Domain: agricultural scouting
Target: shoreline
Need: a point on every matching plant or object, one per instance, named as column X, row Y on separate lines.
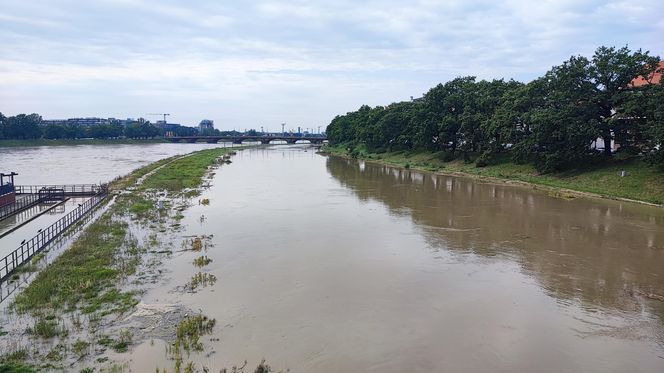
column 554, row 191
column 54, row 312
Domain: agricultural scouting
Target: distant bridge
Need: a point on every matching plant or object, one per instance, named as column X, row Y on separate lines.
column 241, row 139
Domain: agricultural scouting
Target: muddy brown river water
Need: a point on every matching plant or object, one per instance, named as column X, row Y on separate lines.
column 328, row 265
column 331, row 265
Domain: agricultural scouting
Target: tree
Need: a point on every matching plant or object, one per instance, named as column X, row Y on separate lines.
column 640, row 114
column 565, row 125
column 54, row 131
column 3, row 122
column 610, row 73
column 23, row 127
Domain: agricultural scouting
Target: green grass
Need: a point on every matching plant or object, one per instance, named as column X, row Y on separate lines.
column 14, row 362
column 80, row 348
column 84, row 276
column 131, row 179
column 64, row 142
column 202, row 261
column 201, row 279
column 643, row 182
column 118, row 345
column 184, row 173
column 187, row 338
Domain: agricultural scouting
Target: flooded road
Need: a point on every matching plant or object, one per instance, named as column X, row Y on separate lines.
column 325, row 264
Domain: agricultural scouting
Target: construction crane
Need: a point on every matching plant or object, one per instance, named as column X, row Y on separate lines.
column 164, row 114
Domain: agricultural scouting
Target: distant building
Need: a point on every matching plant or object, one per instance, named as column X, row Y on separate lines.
column 206, row 124
column 654, row 78
column 167, row 126
column 86, row 122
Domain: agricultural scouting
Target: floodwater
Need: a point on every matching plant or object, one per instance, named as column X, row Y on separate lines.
column 329, row 265
column 85, row 164
column 79, row 164
column 326, row 264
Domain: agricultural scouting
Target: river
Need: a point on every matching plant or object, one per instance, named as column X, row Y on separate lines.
column 326, row 264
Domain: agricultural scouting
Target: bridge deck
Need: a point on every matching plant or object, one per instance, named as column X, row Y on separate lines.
column 240, row 139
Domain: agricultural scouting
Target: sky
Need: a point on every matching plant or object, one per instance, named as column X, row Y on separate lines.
column 247, row 64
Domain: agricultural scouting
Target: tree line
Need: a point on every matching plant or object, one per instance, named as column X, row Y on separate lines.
column 30, row 126
column 552, row 122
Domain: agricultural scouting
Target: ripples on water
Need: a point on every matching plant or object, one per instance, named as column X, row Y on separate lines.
column 327, row 264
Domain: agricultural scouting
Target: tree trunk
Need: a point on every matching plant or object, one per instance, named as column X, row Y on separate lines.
column 607, row 145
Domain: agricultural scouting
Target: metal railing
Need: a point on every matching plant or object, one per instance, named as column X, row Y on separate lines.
column 75, row 189
column 21, row 204
column 32, row 246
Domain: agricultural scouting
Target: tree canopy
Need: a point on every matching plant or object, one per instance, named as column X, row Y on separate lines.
column 553, row 121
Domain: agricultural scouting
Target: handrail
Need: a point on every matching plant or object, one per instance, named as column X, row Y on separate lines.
column 20, row 205
column 32, row 246
column 68, row 189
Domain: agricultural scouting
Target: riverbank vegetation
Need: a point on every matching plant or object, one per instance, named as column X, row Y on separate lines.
column 555, row 124
column 75, row 298
column 642, row 181
column 31, row 128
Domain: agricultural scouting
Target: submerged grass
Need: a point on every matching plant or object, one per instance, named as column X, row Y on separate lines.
column 202, row 261
column 201, row 279
column 14, row 362
column 84, row 279
column 187, row 338
column 83, row 272
column 643, row 181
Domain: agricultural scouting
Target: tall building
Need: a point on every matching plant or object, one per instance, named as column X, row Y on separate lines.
column 206, row 124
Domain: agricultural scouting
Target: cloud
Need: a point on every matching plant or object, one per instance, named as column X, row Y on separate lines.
column 300, row 61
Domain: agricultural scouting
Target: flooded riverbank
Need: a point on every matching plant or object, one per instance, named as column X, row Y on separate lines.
column 86, row 164
column 327, row 264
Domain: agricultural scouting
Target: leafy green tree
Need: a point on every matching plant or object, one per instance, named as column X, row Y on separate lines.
column 54, row 131
column 3, row 122
column 610, row 73
column 393, row 126
column 24, row 127
column 640, row 115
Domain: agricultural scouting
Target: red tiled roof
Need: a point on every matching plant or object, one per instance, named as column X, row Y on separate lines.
column 655, row 78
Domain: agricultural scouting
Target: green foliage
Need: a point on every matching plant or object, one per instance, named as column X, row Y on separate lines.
column 81, row 274
column 644, row 182
column 551, row 122
column 185, row 172
column 80, row 348
column 189, row 331
column 202, row 261
column 29, row 127
column 14, row 362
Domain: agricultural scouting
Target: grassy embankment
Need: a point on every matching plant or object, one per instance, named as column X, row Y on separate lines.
column 47, row 142
column 643, row 182
column 83, row 282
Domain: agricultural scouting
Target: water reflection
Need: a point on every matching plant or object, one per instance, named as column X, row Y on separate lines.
column 604, row 254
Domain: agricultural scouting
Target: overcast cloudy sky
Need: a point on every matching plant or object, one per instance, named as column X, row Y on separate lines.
column 250, row 64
